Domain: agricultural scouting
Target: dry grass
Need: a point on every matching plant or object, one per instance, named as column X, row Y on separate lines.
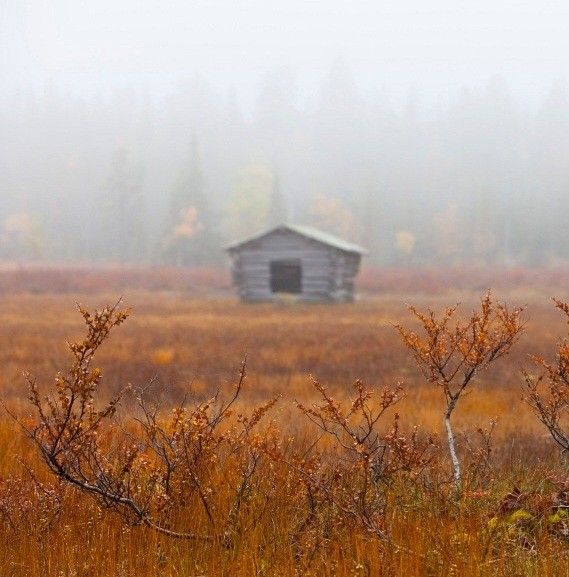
column 198, row 344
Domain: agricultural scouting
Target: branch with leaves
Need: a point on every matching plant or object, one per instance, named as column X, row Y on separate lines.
column 547, row 393
column 451, row 352
column 205, row 457
column 369, row 460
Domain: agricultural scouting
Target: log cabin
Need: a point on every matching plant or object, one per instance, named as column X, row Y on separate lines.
column 300, row 262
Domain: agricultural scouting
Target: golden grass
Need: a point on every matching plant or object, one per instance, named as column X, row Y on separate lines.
column 198, row 344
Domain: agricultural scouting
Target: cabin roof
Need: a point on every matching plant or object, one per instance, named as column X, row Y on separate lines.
column 307, row 232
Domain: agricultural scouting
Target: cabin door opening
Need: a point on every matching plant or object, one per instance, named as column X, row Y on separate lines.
column 286, row 276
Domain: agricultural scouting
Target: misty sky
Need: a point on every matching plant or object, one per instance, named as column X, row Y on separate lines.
column 392, row 47
column 427, row 131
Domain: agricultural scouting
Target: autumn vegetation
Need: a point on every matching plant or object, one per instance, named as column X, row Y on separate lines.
column 187, row 436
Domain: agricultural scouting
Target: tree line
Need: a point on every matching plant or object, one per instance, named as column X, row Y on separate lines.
column 130, row 179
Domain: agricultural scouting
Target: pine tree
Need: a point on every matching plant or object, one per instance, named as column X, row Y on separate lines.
column 191, row 237
column 125, row 218
column 277, row 207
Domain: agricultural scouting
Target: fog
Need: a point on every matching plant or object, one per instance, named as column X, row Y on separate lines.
column 155, row 132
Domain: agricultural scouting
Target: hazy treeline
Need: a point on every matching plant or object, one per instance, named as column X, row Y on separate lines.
column 134, row 179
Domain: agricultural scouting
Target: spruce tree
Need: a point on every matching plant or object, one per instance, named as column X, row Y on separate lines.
column 191, row 233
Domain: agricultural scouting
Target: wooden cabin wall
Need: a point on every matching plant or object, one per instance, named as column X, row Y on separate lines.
column 325, row 270
column 345, row 268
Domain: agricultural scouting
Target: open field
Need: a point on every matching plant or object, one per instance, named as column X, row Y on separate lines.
column 193, row 345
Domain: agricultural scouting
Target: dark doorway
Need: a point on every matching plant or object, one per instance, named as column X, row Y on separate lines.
column 286, row 276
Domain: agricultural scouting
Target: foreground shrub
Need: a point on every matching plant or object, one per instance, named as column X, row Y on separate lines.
column 204, row 458
column 451, row 353
column 547, row 393
column 206, row 471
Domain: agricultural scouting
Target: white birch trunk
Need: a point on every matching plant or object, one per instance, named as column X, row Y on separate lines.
column 453, row 453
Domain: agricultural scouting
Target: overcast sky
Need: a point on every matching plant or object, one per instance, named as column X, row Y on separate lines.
column 434, row 47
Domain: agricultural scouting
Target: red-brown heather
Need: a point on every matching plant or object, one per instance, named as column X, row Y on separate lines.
column 181, row 435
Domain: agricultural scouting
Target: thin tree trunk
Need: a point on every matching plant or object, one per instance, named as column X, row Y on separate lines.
column 452, row 450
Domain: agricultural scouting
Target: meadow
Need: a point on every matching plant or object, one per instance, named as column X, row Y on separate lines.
column 274, row 493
